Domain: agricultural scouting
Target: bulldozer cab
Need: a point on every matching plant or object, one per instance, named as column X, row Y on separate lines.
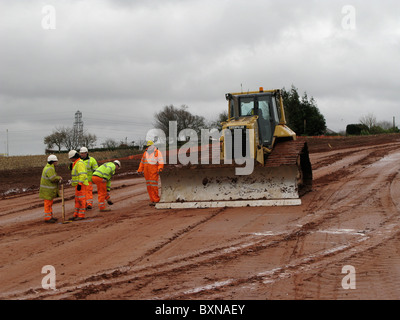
column 263, row 105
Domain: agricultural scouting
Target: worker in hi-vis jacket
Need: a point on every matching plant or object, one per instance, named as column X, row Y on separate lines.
column 102, row 178
column 91, row 166
column 151, row 164
column 80, row 182
column 49, row 188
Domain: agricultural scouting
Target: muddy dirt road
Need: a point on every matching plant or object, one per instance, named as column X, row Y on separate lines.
column 350, row 218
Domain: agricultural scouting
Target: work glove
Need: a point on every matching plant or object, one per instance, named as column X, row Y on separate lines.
column 79, row 187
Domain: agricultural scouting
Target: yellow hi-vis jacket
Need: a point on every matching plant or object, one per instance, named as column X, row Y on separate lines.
column 79, row 173
column 91, row 166
column 49, row 183
column 106, row 171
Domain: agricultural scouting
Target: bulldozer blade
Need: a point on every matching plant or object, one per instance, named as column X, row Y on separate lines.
column 221, row 187
column 281, row 181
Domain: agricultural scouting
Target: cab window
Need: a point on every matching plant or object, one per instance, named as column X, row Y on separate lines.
column 246, row 107
column 263, row 109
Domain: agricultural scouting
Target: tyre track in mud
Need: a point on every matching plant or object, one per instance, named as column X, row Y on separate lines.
column 311, row 227
column 376, row 260
column 306, row 263
column 177, row 235
column 20, row 230
column 9, row 209
column 15, row 237
column 124, row 281
column 225, row 254
column 78, row 290
column 372, row 239
column 324, row 159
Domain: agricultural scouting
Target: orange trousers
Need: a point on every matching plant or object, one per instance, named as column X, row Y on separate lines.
column 89, row 194
column 48, row 209
column 151, row 176
column 80, row 202
column 101, row 191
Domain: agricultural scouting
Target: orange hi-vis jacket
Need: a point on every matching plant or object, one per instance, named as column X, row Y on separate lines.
column 151, row 164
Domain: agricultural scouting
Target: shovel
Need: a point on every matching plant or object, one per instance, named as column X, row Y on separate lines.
column 63, row 205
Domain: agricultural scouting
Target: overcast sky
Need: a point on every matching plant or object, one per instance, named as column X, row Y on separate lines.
column 119, row 62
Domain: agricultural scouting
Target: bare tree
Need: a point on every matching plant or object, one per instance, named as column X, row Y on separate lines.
column 70, row 141
column 141, row 143
column 369, row 120
column 66, row 137
column 57, row 138
column 184, row 119
column 110, row 144
column 89, row 140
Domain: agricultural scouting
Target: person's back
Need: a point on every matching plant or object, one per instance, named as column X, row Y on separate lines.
column 102, row 178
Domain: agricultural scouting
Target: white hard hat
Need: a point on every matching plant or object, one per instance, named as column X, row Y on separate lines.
column 117, row 163
column 52, row 157
column 72, row 154
column 83, row 150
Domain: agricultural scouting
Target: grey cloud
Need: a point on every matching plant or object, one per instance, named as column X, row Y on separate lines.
column 138, row 56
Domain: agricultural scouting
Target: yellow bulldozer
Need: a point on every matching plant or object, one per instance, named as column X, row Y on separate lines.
column 261, row 161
